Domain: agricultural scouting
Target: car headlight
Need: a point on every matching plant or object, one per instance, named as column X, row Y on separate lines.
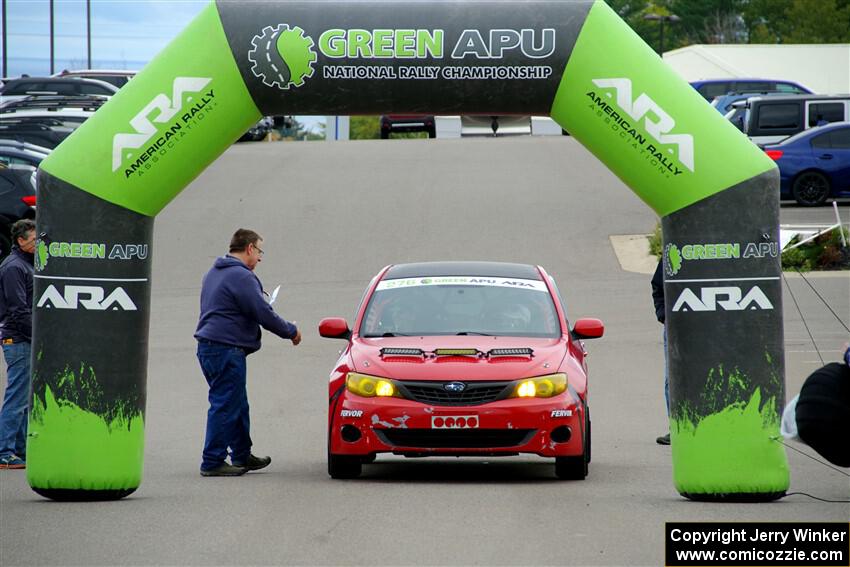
column 540, row 387
column 371, row 386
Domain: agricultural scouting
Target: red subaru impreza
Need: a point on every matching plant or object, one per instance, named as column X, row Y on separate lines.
column 460, row 359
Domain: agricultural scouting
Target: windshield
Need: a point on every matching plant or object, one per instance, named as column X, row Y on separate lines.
column 461, row 305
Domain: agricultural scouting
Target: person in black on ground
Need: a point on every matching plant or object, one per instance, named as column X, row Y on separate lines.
column 658, row 300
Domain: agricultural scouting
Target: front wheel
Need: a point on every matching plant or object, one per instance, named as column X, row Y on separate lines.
column 571, row 468
column 810, row 189
column 344, row 466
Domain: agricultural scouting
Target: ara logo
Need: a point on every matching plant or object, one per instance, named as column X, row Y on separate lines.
column 143, row 123
column 92, row 298
column 724, row 298
column 640, row 107
column 282, row 56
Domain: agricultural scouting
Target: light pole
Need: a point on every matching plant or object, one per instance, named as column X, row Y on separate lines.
column 672, row 18
column 88, row 34
column 3, row 41
column 51, row 37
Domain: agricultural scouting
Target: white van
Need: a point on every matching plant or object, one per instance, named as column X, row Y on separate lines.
column 768, row 120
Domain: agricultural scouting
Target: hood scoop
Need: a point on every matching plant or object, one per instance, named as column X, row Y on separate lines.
column 467, row 353
column 395, row 351
column 512, row 352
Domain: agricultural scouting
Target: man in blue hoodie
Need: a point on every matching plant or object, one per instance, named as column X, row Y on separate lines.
column 16, row 273
column 233, row 308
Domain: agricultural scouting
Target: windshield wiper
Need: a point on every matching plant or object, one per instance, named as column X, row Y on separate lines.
column 474, row 333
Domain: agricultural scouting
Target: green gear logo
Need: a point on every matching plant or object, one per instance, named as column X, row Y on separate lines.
column 672, row 260
column 282, row 56
column 41, row 255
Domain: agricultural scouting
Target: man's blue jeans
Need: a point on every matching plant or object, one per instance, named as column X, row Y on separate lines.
column 13, row 416
column 228, row 424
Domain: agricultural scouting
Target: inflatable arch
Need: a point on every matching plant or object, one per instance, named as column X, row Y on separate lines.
column 574, row 60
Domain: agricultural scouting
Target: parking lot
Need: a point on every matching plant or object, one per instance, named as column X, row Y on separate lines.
column 332, row 214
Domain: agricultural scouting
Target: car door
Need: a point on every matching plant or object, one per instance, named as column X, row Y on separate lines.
column 831, row 151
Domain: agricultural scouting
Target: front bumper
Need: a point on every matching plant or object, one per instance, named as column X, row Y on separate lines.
column 550, row 427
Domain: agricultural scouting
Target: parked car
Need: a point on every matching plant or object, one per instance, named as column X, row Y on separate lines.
column 14, row 152
column 55, row 86
column 394, row 123
column 768, row 120
column 460, row 359
column 46, row 121
column 117, row 77
column 710, row 88
column 17, row 200
column 814, row 165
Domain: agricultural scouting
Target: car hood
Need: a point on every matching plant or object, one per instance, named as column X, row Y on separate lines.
column 547, row 356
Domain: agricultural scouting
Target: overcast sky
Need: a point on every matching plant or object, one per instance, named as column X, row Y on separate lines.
column 126, row 34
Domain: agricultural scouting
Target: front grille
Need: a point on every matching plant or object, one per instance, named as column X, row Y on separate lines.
column 455, row 438
column 475, row 393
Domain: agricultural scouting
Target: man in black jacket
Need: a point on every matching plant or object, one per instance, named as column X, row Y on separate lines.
column 658, row 300
column 16, row 274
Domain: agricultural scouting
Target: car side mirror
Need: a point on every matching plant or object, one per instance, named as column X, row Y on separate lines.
column 334, row 328
column 588, row 328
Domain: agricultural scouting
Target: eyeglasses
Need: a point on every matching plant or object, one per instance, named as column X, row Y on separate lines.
column 258, row 249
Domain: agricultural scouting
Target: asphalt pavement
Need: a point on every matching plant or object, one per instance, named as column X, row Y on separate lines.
column 333, row 214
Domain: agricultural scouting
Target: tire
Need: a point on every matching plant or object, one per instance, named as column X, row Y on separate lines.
column 432, row 132
column 575, row 468
column 385, row 135
column 571, row 468
column 344, row 466
column 810, row 189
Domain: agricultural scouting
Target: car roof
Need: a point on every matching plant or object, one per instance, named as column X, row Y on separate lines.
column 491, row 269
column 83, row 103
column 803, row 97
column 63, row 79
column 743, row 79
column 23, row 146
column 67, row 72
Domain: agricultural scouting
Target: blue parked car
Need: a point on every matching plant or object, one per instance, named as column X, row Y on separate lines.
column 814, row 164
column 710, row 88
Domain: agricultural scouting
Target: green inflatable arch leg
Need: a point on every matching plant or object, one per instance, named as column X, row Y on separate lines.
column 716, row 192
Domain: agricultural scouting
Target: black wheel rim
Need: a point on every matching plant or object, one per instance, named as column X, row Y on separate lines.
column 812, row 188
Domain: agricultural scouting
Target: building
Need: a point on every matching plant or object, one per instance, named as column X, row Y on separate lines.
column 823, row 68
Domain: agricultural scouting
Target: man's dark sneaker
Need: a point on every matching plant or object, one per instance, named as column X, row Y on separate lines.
column 12, row 462
column 255, row 463
column 663, row 440
column 224, row 470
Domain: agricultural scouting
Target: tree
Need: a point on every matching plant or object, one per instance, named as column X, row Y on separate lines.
column 364, row 128
column 797, row 21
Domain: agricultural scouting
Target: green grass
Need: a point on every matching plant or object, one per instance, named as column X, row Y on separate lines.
column 825, row 252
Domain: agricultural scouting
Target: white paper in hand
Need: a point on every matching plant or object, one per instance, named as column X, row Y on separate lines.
column 274, row 295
